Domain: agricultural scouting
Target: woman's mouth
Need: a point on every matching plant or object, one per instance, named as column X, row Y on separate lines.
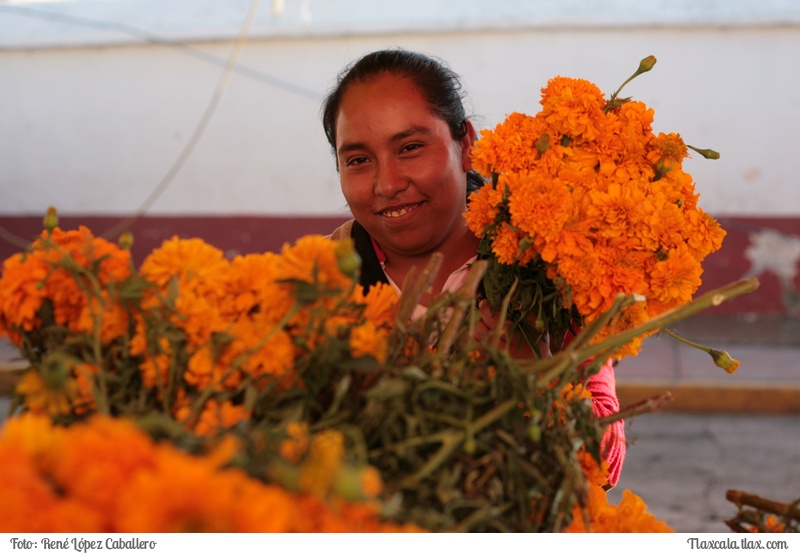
column 397, row 212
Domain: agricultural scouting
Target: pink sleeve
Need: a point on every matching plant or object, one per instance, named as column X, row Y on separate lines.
column 603, row 387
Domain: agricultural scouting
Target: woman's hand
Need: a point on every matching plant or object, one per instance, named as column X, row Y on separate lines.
column 515, row 343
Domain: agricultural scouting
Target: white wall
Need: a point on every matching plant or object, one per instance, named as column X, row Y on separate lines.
column 97, row 99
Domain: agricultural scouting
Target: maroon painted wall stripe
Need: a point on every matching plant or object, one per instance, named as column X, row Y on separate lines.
column 240, row 234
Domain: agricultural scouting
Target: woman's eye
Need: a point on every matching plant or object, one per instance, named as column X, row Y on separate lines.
column 355, row 161
column 411, row 147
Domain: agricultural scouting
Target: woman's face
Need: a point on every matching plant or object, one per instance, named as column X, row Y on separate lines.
column 402, row 173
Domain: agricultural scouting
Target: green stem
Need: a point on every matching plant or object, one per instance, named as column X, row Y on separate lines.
column 686, row 341
column 465, row 298
column 453, row 438
column 645, row 65
column 710, row 299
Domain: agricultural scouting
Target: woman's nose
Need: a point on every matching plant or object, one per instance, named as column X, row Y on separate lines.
column 390, row 179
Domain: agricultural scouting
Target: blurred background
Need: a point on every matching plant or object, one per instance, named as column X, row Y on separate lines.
column 201, row 118
column 121, row 115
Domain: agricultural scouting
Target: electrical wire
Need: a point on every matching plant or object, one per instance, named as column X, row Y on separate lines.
column 222, row 84
column 230, row 66
column 152, row 38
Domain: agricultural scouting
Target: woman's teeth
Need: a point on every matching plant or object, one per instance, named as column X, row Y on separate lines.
column 397, row 212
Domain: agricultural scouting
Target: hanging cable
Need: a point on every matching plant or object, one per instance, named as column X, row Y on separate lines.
column 222, row 84
column 151, row 38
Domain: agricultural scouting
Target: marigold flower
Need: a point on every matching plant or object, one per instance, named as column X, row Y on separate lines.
column 313, row 260
column 133, row 484
column 483, row 208
column 22, row 293
column 216, row 416
column 367, row 340
column 506, row 245
column 53, row 400
column 630, row 516
column 296, row 446
column 771, row 525
column 190, row 261
column 380, row 303
column 323, row 463
column 724, row 360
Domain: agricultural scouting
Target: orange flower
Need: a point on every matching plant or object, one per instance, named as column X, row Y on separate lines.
column 191, row 262
column 380, row 304
column 675, row 279
column 262, row 351
column 53, row 398
column 572, row 107
column 367, row 340
column 113, row 319
column 296, row 446
column 706, row 234
column 506, row 245
column 312, row 259
column 540, row 206
column 30, row 502
column 508, row 147
column 51, row 271
column 771, row 525
column 200, row 273
column 129, row 483
column 252, row 288
column 22, row 293
column 483, row 208
column 323, row 463
column 629, row 516
column 216, row 416
column 84, row 376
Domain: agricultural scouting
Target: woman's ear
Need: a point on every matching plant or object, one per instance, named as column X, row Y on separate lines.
column 466, row 143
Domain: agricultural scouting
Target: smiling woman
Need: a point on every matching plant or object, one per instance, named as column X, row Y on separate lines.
column 397, row 127
column 404, row 175
column 403, row 145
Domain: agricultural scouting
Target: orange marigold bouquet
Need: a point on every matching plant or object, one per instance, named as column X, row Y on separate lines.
column 276, row 380
column 586, row 202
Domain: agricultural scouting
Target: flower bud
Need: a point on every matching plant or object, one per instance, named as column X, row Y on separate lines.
column 707, row 153
column 357, row 484
column 646, row 64
column 285, row 475
column 723, row 359
column 470, row 445
column 661, row 168
column 50, row 219
column 126, row 240
column 55, row 371
column 543, row 143
column 347, row 258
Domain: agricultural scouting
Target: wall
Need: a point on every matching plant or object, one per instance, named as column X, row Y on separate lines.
column 100, row 99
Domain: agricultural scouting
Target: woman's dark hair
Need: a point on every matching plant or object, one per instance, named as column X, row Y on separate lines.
column 439, row 85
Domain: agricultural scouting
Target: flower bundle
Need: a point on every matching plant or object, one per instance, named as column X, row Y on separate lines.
column 189, row 327
column 108, row 475
column 587, row 202
column 276, row 375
